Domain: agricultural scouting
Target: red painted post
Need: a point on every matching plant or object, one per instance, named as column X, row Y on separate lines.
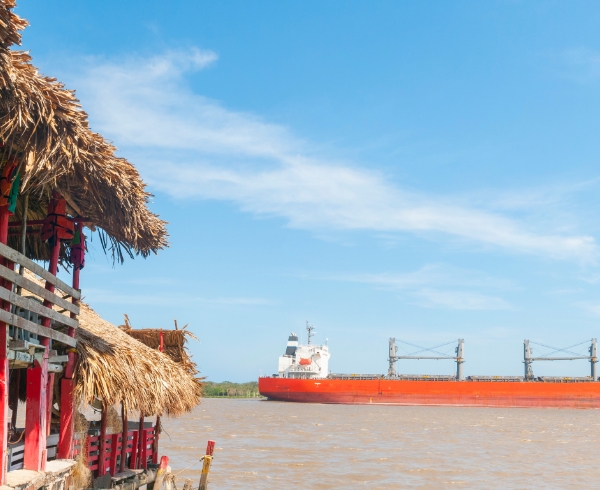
column 35, row 417
column 37, row 378
column 102, row 444
column 67, row 409
column 4, row 382
column 144, row 449
column 114, row 452
column 125, row 438
column 210, row 448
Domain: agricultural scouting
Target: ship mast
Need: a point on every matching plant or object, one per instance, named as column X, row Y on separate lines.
column 309, row 330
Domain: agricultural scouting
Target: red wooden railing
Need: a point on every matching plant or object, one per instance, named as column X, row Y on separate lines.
column 110, row 461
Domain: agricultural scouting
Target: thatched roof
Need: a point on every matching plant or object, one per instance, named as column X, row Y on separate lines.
column 42, row 122
column 174, row 342
column 117, row 368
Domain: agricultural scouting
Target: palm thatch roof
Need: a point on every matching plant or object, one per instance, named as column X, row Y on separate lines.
column 44, row 125
column 174, row 342
column 116, row 368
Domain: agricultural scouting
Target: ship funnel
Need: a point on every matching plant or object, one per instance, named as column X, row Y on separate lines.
column 292, row 345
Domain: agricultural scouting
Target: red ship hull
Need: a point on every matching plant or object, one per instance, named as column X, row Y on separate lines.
column 409, row 392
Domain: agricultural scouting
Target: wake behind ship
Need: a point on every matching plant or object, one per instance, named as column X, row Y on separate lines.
column 303, row 376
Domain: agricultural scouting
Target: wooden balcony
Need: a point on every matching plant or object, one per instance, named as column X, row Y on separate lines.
column 26, row 304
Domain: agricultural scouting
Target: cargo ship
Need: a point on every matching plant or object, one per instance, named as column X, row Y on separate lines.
column 303, row 376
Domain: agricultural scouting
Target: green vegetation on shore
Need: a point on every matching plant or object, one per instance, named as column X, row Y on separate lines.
column 227, row 389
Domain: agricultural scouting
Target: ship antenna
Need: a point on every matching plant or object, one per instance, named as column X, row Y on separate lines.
column 309, row 330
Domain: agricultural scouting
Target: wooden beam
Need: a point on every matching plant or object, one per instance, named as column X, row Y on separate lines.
column 38, row 290
column 17, row 321
column 14, row 256
column 33, row 305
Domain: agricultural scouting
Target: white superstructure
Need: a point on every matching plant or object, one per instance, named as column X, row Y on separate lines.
column 304, row 361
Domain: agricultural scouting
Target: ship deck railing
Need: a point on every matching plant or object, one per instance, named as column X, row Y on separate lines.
column 449, row 377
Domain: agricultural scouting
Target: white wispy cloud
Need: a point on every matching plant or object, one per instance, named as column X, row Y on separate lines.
column 582, row 64
column 111, row 297
column 589, row 306
column 440, row 275
column 438, row 286
column 193, row 147
column 460, row 300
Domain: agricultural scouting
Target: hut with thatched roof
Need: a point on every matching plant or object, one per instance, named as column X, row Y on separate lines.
column 172, row 342
column 112, row 361
column 57, row 178
column 116, row 370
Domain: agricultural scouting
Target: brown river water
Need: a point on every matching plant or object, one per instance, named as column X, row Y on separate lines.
column 264, row 444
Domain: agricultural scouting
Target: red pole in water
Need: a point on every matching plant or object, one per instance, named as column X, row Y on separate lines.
column 210, row 448
column 160, row 474
column 67, row 409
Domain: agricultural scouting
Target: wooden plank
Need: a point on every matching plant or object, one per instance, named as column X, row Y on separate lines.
column 35, row 288
column 14, row 256
column 17, row 321
column 32, row 305
column 24, row 345
column 58, row 359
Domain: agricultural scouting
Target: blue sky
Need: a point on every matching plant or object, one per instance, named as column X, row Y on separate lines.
column 422, row 170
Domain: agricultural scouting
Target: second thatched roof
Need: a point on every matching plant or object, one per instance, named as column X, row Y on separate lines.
column 118, row 369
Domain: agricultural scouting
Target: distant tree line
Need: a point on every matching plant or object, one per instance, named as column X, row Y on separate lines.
column 227, row 389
